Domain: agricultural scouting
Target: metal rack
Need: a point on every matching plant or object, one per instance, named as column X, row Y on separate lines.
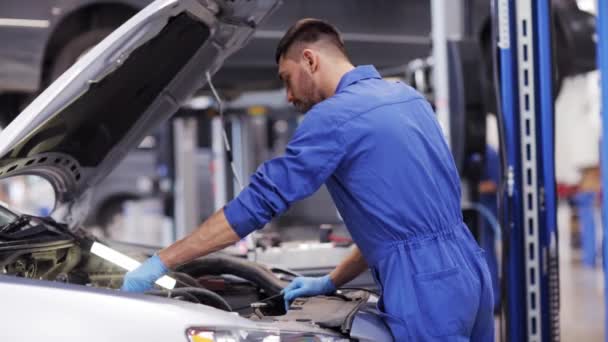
column 532, row 311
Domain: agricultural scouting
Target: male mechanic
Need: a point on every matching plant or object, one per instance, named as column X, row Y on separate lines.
column 380, row 151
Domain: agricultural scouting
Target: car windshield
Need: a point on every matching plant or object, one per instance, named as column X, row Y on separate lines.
column 6, row 216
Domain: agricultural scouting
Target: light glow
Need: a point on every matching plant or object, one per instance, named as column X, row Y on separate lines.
column 127, row 263
column 24, row 23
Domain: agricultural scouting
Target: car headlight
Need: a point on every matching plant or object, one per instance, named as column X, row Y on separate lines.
column 241, row 335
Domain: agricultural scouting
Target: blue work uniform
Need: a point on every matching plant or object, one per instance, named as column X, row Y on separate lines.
column 379, row 149
column 585, row 207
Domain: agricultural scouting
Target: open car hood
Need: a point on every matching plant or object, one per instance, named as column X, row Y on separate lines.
column 84, row 124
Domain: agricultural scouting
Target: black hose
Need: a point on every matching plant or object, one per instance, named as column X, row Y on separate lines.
column 223, row 264
column 200, row 295
column 184, row 280
column 206, row 297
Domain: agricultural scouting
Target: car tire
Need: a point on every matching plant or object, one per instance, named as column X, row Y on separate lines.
column 64, row 59
column 74, row 49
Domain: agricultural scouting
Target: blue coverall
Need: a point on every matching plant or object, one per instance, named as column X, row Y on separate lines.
column 584, row 202
column 379, row 149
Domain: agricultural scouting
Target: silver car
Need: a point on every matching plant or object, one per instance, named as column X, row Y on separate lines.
column 61, row 284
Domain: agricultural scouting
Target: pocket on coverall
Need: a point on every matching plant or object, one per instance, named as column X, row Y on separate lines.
column 447, row 302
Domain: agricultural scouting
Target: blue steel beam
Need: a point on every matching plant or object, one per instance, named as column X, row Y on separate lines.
column 527, row 108
column 548, row 208
column 514, row 310
column 602, row 30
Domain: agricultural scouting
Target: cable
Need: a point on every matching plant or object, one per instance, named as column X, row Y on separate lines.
column 487, row 214
column 280, row 294
column 251, row 239
column 220, row 105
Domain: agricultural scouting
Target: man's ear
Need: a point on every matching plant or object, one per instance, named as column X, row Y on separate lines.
column 311, row 59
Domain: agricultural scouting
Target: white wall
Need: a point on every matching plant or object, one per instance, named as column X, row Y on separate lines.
column 577, row 127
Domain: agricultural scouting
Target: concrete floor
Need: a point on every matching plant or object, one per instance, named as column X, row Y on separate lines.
column 582, row 310
column 582, row 288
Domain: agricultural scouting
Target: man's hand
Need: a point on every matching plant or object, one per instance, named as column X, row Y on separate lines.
column 142, row 278
column 213, row 234
column 346, row 271
column 307, row 287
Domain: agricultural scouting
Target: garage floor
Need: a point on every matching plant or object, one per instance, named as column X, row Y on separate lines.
column 582, row 314
column 582, row 298
column 582, row 293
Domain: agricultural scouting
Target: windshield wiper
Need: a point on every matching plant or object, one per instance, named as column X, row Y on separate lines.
column 61, row 229
column 41, row 225
column 17, row 223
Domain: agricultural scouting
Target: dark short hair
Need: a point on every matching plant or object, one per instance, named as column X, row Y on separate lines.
column 309, row 30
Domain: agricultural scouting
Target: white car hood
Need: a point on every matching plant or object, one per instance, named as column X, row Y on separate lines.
column 58, row 312
column 83, row 125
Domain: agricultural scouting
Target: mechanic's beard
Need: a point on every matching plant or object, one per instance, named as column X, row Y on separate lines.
column 302, row 106
column 309, row 97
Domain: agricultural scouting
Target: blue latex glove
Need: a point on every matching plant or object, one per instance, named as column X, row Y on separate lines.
column 307, row 287
column 142, row 278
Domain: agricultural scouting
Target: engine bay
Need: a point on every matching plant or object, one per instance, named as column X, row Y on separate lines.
column 45, row 250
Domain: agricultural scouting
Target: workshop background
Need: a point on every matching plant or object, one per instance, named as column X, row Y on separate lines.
column 181, row 173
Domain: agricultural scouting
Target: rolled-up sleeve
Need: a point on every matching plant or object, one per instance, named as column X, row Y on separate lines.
column 310, row 158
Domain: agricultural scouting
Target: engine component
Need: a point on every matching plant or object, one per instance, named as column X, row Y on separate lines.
column 223, row 264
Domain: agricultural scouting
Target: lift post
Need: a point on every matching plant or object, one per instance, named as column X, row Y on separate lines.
column 447, row 23
column 602, row 30
column 524, row 40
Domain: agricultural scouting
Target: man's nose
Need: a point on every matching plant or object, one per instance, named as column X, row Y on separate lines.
column 290, row 97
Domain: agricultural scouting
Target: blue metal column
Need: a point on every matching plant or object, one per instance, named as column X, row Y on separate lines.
column 548, row 207
column 514, row 311
column 602, row 29
column 527, row 102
